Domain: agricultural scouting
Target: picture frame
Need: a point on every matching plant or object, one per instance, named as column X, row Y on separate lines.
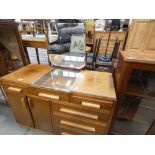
column 77, row 43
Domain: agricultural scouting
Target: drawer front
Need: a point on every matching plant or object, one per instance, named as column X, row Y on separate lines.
column 102, row 35
column 49, row 94
column 115, row 35
column 92, row 103
column 79, row 124
column 81, row 112
column 63, row 130
column 14, row 88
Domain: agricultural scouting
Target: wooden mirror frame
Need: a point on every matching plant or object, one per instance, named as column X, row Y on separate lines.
column 11, row 24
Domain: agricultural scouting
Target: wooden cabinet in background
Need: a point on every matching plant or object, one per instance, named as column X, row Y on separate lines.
column 141, row 36
column 134, row 80
column 121, row 36
column 150, row 38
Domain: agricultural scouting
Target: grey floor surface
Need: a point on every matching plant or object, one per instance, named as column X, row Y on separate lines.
column 8, row 125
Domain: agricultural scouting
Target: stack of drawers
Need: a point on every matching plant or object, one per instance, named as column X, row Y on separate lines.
column 83, row 115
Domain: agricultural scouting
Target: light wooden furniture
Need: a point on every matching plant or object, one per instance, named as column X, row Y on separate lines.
column 35, row 42
column 141, row 36
column 61, row 101
column 134, row 77
column 121, row 36
column 89, row 31
column 33, row 26
column 15, row 87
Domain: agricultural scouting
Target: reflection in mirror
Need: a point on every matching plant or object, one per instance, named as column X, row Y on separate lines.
column 11, row 51
column 59, row 79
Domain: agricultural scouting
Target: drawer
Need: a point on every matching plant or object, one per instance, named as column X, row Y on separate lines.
column 115, row 35
column 81, row 111
column 50, row 94
column 92, row 103
column 62, row 130
column 79, row 124
column 14, row 88
column 102, row 35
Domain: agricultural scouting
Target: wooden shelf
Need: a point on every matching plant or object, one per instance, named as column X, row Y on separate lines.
column 137, row 88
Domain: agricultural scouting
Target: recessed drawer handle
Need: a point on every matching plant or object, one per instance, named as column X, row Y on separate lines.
column 80, row 126
column 48, row 96
column 92, row 105
column 65, row 133
column 73, row 112
column 15, row 89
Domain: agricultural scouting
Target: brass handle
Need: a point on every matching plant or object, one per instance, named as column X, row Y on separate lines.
column 92, row 105
column 65, row 133
column 73, row 112
column 80, row 126
column 48, row 96
column 15, row 89
column 23, row 102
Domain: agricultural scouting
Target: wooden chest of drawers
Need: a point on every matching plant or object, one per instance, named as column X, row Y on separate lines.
column 86, row 107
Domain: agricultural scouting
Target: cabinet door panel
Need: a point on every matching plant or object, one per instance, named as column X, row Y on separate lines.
column 137, row 35
column 150, row 40
column 17, row 100
column 41, row 112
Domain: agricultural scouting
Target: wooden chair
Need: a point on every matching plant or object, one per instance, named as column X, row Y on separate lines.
column 90, row 57
column 106, row 61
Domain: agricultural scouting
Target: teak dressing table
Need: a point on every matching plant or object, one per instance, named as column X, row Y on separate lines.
column 61, row 101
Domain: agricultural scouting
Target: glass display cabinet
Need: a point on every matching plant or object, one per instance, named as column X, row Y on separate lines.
column 135, row 81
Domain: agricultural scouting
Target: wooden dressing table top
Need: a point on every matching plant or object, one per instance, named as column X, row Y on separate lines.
column 27, row 74
column 95, row 83
column 139, row 57
column 86, row 82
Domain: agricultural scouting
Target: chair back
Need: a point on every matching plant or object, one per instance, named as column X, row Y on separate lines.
column 98, row 42
column 115, row 50
column 95, row 48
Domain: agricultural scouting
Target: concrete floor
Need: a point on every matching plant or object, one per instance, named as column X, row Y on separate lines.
column 8, row 125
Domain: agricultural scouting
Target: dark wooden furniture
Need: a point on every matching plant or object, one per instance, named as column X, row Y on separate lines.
column 59, row 100
column 91, row 57
column 12, row 54
column 134, row 80
column 105, row 60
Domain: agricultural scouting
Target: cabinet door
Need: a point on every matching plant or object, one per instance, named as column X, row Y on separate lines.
column 41, row 112
column 137, row 35
column 17, row 100
column 150, row 39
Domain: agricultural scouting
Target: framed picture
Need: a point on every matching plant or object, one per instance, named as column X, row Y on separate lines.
column 77, row 43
